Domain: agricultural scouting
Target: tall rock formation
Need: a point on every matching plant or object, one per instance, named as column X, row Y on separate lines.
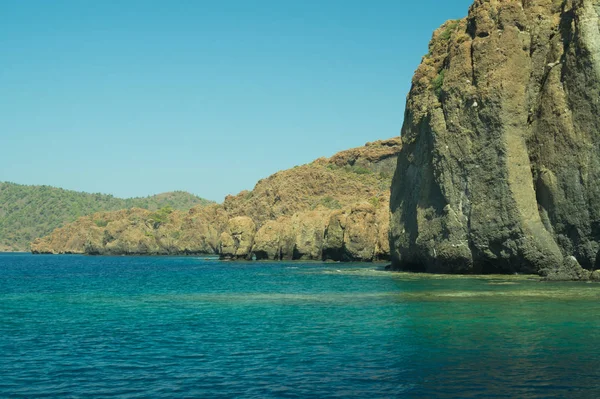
column 500, row 166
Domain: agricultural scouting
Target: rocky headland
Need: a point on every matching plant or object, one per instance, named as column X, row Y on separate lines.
column 500, row 166
column 497, row 170
column 331, row 209
column 29, row 212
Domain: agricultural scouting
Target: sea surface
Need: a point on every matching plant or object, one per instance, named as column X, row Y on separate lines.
column 142, row 327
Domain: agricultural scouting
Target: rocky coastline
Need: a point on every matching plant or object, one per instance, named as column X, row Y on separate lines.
column 331, row 209
column 496, row 171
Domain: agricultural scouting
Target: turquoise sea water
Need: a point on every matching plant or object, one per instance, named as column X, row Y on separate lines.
column 74, row 326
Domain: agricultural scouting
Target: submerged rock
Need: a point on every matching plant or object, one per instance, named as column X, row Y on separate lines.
column 500, row 162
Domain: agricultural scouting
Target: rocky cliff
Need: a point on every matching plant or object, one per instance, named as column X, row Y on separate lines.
column 500, row 163
column 333, row 208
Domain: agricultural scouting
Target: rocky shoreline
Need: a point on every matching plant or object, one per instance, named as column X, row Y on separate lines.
column 331, row 209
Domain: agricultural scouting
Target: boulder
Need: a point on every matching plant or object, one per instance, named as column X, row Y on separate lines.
column 308, row 230
column 360, row 235
column 268, row 240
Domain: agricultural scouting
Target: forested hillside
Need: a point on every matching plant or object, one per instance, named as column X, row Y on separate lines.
column 29, row 212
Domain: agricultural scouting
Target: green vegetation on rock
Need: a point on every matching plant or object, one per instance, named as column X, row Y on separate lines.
column 29, row 212
column 438, row 83
column 161, row 216
column 447, row 32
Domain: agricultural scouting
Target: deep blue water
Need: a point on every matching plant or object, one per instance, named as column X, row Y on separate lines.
column 74, row 326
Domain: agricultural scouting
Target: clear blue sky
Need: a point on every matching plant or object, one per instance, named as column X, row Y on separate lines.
column 136, row 97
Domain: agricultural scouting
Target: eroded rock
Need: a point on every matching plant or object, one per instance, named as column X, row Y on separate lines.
column 237, row 239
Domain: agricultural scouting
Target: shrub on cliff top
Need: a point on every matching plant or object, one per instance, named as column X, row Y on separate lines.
column 101, row 223
column 447, row 33
column 160, row 217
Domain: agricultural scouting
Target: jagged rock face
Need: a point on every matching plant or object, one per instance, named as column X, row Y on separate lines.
column 500, row 162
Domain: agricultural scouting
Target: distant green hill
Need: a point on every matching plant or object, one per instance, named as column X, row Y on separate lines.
column 29, row 212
